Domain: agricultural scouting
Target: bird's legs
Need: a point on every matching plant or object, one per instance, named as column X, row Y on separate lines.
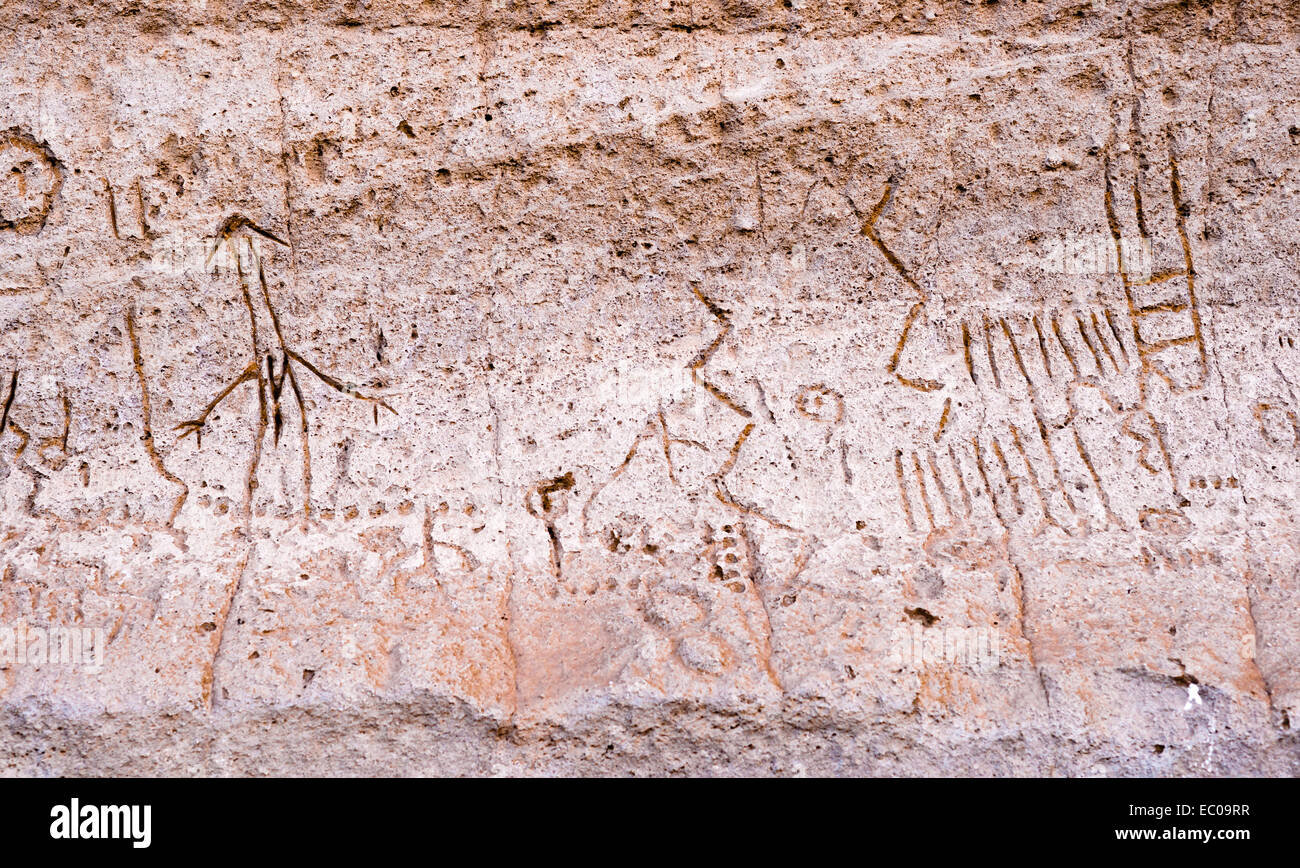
column 195, row 426
column 346, row 388
column 270, row 384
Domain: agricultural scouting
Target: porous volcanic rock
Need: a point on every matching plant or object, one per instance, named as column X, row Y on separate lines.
column 621, row 387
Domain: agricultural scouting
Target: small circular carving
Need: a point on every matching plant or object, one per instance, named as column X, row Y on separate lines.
column 820, row 403
column 30, row 178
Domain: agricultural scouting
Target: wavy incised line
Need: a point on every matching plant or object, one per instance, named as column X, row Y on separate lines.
column 696, row 365
column 146, row 417
column 869, row 230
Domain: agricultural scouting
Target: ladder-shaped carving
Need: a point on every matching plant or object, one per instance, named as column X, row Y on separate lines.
column 1162, row 304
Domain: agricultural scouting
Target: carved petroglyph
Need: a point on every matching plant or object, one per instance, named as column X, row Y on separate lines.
column 1163, row 310
column 820, row 403
column 135, row 205
column 739, row 553
column 30, row 180
column 1278, row 423
column 43, row 439
column 31, row 177
column 724, row 352
column 869, row 230
column 1061, row 394
column 146, row 417
column 546, row 500
column 262, row 369
column 9, row 401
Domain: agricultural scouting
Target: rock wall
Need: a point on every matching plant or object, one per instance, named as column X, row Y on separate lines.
column 622, row 387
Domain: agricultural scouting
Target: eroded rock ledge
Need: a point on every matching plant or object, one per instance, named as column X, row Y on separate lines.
column 607, row 388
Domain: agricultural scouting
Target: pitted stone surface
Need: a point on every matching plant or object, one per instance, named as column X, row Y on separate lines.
column 650, row 388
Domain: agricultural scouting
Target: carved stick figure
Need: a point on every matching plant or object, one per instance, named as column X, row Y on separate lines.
column 270, row 385
column 736, row 423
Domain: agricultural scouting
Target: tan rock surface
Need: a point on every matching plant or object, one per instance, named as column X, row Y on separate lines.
column 646, row 388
